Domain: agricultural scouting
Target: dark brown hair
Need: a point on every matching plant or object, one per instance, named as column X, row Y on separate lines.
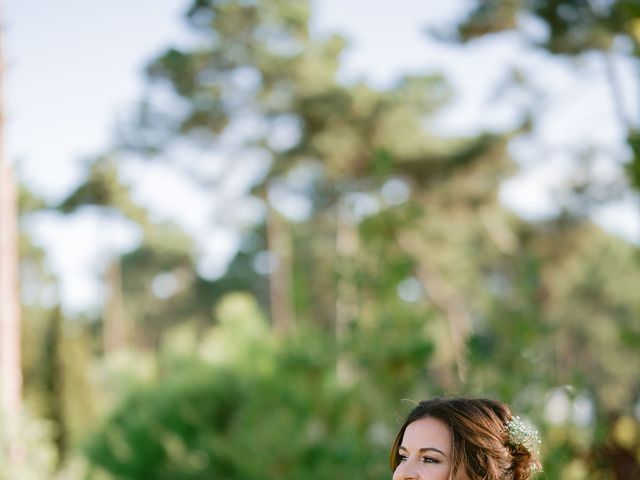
column 480, row 440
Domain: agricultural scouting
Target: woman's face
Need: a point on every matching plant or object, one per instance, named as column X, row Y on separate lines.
column 426, row 452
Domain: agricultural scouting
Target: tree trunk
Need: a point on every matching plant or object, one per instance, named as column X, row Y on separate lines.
column 10, row 371
column 116, row 332
column 10, row 363
column 450, row 302
column 280, row 282
column 347, row 301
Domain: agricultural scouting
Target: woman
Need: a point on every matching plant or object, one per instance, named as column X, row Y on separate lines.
column 464, row 439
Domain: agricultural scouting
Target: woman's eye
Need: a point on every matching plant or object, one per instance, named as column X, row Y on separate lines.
column 403, row 458
column 430, row 460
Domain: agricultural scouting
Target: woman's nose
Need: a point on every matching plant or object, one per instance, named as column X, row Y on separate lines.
column 405, row 471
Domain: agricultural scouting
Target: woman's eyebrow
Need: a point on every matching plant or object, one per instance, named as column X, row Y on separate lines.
column 425, row 449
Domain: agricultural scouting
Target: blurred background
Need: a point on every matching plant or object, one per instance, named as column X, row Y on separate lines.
column 240, row 237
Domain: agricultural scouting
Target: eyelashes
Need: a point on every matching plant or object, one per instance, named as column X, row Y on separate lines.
column 425, row 459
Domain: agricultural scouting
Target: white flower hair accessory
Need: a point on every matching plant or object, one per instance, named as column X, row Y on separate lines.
column 524, row 436
column 521, row 434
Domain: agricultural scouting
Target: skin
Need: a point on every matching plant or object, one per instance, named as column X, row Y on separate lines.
column 426, row 452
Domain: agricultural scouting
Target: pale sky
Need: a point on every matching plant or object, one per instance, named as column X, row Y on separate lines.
column 75, row 66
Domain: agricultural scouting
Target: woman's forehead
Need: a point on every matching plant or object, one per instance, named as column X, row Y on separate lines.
column 427, row 432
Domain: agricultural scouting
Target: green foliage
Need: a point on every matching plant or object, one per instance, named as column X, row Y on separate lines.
column 57, row 384
column 574, row 26
column 281, row 413
column 406, row 278
column 633, row 168
column 26, row 448
column 167, row 434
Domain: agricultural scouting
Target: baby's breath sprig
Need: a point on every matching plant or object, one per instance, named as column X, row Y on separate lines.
column 521, row 434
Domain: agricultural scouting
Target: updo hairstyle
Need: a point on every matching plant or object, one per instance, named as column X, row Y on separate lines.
column 481, row 442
